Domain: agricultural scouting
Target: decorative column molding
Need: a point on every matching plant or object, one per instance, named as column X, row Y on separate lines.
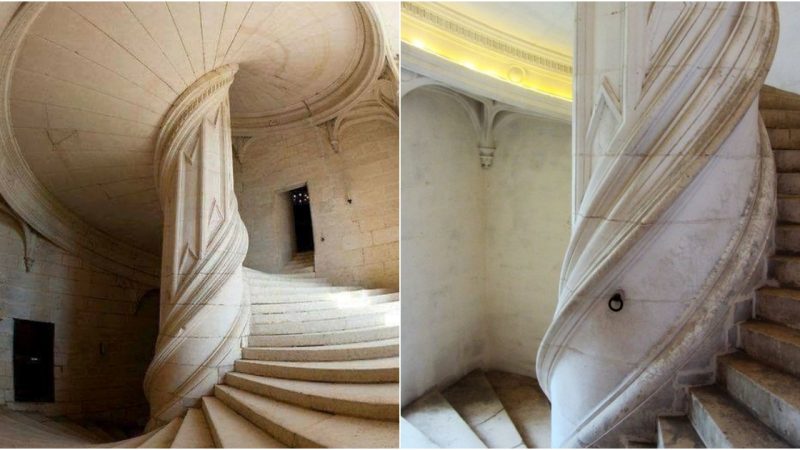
column 204, row 313
column 674, row 202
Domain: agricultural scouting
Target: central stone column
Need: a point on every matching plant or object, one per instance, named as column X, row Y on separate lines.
column 203, row 313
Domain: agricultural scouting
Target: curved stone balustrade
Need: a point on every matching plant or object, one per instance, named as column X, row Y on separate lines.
column 203, row 309
column 674, row 202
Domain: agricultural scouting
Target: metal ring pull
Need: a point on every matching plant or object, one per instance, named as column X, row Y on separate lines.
column 615, row 303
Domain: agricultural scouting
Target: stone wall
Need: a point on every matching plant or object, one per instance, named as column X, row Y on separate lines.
column 442, row 244
column 783, row 73
column 103, row 342
column 527, row 232
column 354, row 200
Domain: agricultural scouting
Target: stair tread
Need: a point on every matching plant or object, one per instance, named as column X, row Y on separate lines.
column 435, row 417
column 526, row 405
column 163, row 438
column 411, row 437
column 314, row 339
column 677, row 432
column 334, row 346
column 734, row 426
column 359, row 370
column 358, row 364
column 193, row 432
column 775, row 331
column 303, row 427
column 232, row 430
column 476, row 401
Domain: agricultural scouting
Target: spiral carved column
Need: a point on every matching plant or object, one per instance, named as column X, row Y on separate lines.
column 203, row 310
column 674, row 201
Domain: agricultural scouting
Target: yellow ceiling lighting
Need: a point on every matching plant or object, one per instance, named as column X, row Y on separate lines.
column 438, row 30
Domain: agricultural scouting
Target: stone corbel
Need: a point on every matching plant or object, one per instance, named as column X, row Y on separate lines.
column 30, row 237
column 240, row 144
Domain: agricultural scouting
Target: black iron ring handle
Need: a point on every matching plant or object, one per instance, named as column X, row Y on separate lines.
column 615, row 303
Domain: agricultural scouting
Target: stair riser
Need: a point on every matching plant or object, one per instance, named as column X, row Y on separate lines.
column 773, row 411
column 705, row 426
column 780, row 118
column 787, row 238
column 789, row 183
column 778, row 309
column 325, row 314
column 321, row 326
column 787, row 160
column 317, row 403
column 299, row 290
column 770, row 351
column 285, row 308
column 784, row 138
column 787, row 271
column 383, row 351
column 383, row 375
column 345, row 337
column 789, row 210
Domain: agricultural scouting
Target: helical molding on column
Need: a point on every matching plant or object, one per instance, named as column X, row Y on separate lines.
column 204, row 313
column 700, row 83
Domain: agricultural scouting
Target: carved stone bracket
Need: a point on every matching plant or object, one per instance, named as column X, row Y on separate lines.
column 30, row 237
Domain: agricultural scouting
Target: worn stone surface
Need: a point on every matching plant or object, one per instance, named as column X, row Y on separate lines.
column 434, row 416
column 677, row 432
column 526, row 405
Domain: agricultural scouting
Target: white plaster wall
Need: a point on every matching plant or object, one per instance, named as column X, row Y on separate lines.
column 442, row 244
column 355, row 243
column 527, row 232
column 89, row 307
column 784, row 74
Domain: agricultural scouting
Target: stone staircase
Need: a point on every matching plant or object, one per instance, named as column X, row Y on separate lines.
column 300, row 263
column 755, row 402
column 482, row 410
column 321, row 369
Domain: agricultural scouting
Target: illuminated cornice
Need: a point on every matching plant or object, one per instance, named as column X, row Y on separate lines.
column 437, row 29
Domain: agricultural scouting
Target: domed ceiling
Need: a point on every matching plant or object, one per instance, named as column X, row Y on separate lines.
column 93, row 81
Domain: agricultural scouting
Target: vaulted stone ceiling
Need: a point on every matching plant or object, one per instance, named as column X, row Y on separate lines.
column 93, row 81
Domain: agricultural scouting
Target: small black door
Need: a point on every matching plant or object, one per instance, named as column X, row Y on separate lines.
column 33, row 361
column 301, row 210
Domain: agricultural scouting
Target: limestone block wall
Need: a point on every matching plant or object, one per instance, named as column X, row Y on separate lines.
column 783, row 73
column 442, row 244
column 527, row 232
column 354, row 200
column 103, row 342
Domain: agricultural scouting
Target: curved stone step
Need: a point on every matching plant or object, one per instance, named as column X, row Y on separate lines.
column 366, row 320
column 380, row 370
column 787, row 160
column 436, row 418
column 786, row 268
column 721, row 423
column 779, row 305
column 780, row 118
column 769, row 394
column 345, row 301
column 526, row 405
column 231, row 430
column 789, row 208
column 252, row 274
column 774, row 344
column 163, row 438
column 677, row 432
column 194, row 432
column 370, row 401
column 789, row 183
column 296, row 426
column 323, row 314
column 787, row 237
column 337, row 352
column 411, row 437
column 259, row 296
column 784, row 138
column 294, row 290
column 326, row 338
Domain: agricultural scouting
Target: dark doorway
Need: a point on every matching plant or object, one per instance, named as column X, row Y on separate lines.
column 33, row 361
column 301, row 212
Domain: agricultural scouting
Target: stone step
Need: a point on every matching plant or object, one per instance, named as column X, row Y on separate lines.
column 411, row 437
column 435, row 417
column 133, row 442
column 252, row 274
column 787, row 160
column 789, row 208
column 785, row 269
column 774, row 98
column 677, row 432
column 229, row 429
column 271, row 283
column 323, row 314
column 476, row 401
column 370, row 401
column 784, row 138
column 769, row 394
column 722, row 423
column 296, row 426
column 787, row 237
column 779, row 305
column 163, row 438
column 789, row 183
column 368, row 320
column 257, row 298
column 327, row 338
column 526, row 405
column 337, row 352
column 294, row 290
column 344, row 301
column 380, row 370
column 194, row 431
column 780, row 118
column 771, row 343
column 307, row 269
